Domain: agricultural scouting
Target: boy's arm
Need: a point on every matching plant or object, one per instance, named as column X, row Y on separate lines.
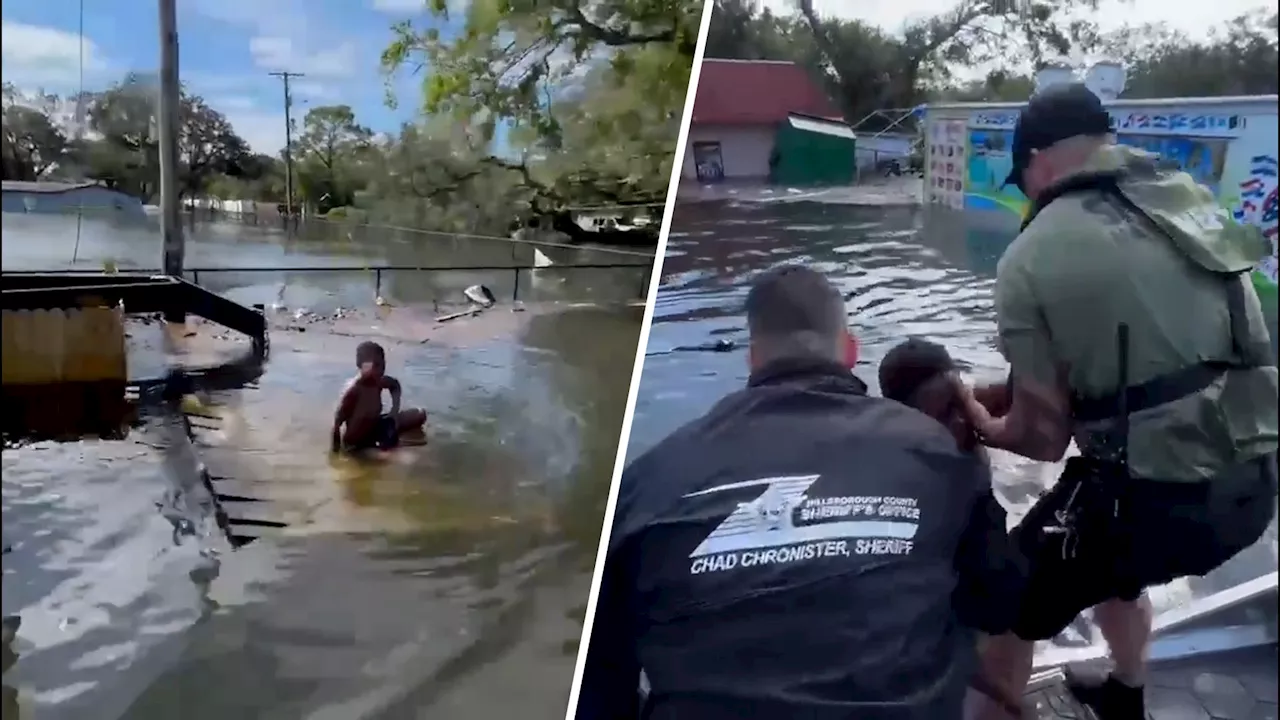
column 996, row 398
column 340, row 416
column 393, row 387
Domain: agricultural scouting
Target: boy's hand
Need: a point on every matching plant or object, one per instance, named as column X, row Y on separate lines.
column 979, row 417
column 995, row 398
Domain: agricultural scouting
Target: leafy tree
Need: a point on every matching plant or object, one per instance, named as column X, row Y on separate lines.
column 1238, row 58
column 127, row 154
column 126, row 157
column 33, row 144
column 997, row 86
column 434, row 175
column 330, row 152
column 741, row 30
column 207, row 145
column 865, row 68
column 536, row 66
column 253, row 176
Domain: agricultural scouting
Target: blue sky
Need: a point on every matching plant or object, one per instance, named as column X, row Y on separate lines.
column 227, row 49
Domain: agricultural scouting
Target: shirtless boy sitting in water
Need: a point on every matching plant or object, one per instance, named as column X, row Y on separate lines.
column 360, row 407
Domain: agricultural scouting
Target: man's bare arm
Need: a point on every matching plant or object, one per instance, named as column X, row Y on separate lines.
column 995, row 398
column 393, row 387
column 1037, row 424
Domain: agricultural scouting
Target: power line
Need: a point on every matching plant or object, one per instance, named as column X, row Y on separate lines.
column 288, row 139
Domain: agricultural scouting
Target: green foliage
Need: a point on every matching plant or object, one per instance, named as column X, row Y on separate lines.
column 121, row 150
column 588, row 96
column 866, row 68
column 1239, row 58
column 32, row 144
column 592, row 94
column 333, row 156
column 435, row 174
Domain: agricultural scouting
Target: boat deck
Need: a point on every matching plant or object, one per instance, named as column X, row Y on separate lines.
column 1230, row 685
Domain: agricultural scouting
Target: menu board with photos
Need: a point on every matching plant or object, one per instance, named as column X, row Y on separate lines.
column 947, row 143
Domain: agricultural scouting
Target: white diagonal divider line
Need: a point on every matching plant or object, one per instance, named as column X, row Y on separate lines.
column 638, row 366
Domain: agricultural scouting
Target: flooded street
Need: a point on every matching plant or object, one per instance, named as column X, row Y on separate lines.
column 448, row 581
column 906, row 271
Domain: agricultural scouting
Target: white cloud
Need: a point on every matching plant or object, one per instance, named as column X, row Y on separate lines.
column 47, row 57
column 285, row 36
column 279, row 53
column 304, row 90
column 280, row 16
column 399, row 7
column 414, row 7
column 231, row 103
column 263, row 130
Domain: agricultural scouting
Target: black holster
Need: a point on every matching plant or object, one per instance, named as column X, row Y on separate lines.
column 1083, row 514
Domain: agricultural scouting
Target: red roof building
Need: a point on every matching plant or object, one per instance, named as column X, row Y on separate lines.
column 737, row 111
column 757, row 92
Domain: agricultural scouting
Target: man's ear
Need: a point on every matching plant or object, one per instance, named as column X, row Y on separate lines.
column 850, row 350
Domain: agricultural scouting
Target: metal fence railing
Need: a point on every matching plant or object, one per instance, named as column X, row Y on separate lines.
column 379, row 272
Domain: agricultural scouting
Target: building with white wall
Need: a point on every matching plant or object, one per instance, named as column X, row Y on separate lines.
column 739, row 106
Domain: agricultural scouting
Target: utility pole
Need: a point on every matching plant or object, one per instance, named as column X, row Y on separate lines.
column 288, row 140
column 167, row 117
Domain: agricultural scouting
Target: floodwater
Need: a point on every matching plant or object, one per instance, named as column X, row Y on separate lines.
column 907, row 271
column 341, row 259
column 448, row 581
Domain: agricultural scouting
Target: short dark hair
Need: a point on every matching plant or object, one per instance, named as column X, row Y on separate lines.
column 910, row 365
column 793, row 310
column 369, row 351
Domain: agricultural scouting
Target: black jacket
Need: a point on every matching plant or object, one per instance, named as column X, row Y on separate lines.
column 801, row 551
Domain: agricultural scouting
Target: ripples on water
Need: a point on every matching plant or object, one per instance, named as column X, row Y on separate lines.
column 905, row 271
column 449, row 583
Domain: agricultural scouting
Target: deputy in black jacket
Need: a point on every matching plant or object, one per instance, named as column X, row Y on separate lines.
column 801, row 551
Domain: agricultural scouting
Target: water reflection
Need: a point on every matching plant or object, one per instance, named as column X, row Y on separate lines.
column 904, row 271
column 448, row 582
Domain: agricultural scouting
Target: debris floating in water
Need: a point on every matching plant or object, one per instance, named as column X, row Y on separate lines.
column 480, row 295
column 470, row 312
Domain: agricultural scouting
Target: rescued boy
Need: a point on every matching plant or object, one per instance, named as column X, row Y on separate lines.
column 359, row 423
column 922, row 375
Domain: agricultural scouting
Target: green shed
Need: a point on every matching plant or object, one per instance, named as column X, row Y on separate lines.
column 813, row 151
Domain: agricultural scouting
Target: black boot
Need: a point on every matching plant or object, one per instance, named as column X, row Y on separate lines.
column 1108, row 698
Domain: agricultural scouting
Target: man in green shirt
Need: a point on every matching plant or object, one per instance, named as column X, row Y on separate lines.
column 1127, row 315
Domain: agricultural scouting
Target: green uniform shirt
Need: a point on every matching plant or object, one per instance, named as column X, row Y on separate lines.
column 1084, row 265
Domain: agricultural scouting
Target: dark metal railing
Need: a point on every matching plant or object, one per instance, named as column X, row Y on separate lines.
column 378, row 270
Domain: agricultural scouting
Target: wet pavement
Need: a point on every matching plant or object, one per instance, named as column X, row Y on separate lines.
column 906, row 271
column 448, row 581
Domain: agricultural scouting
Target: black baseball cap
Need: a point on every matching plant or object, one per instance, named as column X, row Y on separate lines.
column 1051, row 116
